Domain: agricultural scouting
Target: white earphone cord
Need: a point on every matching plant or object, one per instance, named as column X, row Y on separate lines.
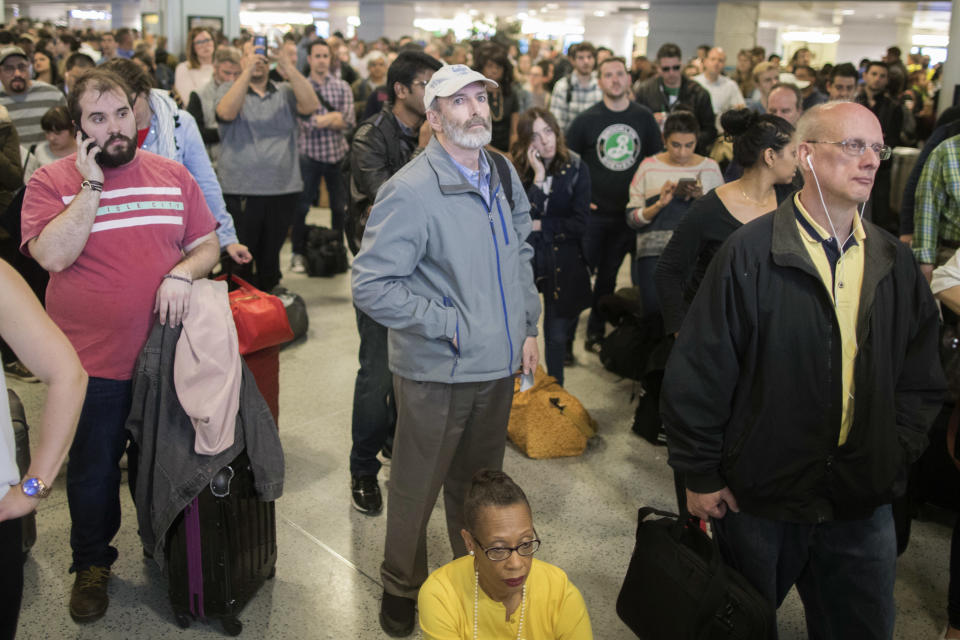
column 826, row 212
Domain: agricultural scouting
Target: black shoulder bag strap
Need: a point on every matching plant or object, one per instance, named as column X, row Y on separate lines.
column 506, row 180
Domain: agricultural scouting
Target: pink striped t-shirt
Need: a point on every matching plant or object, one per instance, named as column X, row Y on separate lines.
column 150, row 209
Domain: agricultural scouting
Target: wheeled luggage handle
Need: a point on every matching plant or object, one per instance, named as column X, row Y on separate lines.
column 220, row 483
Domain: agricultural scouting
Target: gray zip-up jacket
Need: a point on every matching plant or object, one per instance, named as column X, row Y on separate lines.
column 437, row 263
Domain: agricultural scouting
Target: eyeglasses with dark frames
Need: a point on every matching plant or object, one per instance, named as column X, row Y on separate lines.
column 858, row 147
column 499, row 554
column 675, row 67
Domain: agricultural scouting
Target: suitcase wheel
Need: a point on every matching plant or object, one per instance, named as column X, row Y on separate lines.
column 232, row 626
column 183, row 619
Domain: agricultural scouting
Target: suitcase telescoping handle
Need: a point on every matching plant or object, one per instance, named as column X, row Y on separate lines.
column 715, row 591
column 220, row 482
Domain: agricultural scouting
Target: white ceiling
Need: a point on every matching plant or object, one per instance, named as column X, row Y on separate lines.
column 773, row 13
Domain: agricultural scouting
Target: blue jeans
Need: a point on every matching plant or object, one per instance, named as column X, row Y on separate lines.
column 93, row 472
column 556, row 332
column 374, row 408
column 844, row 570
column 607, row 241
column 312, row 172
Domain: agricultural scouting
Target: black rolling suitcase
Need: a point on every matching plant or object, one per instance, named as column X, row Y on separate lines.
column 221, row 549
column 22, row 438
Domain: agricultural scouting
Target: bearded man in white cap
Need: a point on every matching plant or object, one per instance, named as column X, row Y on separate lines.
column 445, row 265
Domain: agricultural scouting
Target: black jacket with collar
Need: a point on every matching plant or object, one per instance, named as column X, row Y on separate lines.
column 752, row 395
column 651, row 94
column 379, row 149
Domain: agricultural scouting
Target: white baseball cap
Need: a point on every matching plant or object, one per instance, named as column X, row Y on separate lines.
column 449, row 79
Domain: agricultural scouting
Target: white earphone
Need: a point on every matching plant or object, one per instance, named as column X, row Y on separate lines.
column 810, row 162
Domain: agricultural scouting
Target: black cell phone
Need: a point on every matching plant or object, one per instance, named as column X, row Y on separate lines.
column 260, row 45
column 686, row 187
column 99, row 157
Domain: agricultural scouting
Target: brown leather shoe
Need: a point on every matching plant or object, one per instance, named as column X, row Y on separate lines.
column 89, row 599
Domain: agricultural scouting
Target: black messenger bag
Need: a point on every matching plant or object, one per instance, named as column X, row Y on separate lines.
column 678, row 588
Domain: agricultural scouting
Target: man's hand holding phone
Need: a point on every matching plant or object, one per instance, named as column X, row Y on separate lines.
column 87, row 152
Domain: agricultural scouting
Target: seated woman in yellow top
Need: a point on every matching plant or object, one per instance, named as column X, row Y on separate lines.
column 498, row 591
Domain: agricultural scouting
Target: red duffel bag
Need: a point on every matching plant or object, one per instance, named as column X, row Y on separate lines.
column 260, row 317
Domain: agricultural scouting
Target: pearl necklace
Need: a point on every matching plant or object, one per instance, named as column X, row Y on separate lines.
column 476, row 606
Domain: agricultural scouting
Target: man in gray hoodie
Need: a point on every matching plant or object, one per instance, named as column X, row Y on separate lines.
column 445, row 265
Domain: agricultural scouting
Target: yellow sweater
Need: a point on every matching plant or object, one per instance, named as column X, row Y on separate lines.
column 555, row 609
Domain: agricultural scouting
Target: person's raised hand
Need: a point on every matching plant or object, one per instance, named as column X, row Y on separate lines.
column 536, row 163
column 86, row 162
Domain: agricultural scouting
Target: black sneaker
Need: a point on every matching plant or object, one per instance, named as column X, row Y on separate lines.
column 397, row 615
column 568, row 359
column 16, row 370
column 89, row 599
column 365, row 493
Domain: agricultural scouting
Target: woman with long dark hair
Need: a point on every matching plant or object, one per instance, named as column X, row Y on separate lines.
column 558, row 187
column 661, row 192
column 491, row 60
column 764, row 147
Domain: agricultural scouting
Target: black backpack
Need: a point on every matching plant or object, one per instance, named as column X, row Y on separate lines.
column 325, row 254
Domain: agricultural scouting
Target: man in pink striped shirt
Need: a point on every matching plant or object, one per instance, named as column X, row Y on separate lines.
column 123, row 233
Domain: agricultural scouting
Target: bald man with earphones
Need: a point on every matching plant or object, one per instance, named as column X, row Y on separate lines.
column 802, row 385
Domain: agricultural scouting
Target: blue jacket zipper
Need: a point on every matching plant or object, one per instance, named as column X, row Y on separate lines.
column 496, row 247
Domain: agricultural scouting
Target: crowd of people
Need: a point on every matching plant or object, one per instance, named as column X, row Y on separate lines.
column 479, row 187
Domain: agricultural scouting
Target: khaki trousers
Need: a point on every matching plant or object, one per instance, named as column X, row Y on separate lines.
column 445, row 433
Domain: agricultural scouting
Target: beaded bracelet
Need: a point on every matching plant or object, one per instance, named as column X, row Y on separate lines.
column 176, row 277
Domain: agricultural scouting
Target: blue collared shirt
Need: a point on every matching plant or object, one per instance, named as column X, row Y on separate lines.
column 479, row 178
column 193, row 155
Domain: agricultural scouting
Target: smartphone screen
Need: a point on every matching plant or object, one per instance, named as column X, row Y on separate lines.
column 260, row 45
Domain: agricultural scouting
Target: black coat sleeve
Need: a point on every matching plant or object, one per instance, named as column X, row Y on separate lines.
column 708, row 123
column 921, row 385
column 677, row 262
column 702, row 374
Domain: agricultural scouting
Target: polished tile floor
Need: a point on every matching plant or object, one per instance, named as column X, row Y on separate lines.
column 327, row 581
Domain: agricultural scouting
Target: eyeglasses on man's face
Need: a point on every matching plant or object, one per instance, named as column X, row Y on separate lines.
column 23, row 67
column 499, row 554
column 858, row 147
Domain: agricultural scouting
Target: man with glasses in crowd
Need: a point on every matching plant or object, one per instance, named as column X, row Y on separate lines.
column 25, row 98
column 670, row 90
column 822, row 339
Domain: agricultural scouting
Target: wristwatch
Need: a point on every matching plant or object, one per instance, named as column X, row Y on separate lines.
column 34, row 488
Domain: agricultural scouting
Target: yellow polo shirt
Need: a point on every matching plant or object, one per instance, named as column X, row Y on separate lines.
column 555, row 609
column 843, row 283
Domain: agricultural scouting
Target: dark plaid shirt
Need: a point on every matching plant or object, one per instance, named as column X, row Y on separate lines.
column 328, row 145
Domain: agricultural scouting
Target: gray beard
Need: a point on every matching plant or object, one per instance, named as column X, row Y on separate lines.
column 461, row 138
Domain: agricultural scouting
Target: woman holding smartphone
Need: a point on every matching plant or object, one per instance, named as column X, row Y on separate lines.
column 558, row 187
column 763, row 146
column 661, row 193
